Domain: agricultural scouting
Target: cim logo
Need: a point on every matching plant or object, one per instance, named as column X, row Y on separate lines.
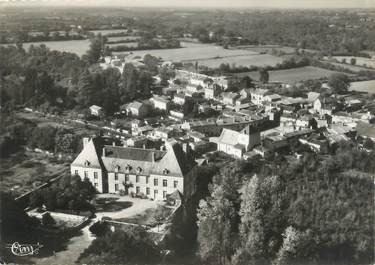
column 24, row 249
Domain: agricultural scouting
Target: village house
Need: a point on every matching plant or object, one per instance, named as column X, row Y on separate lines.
column 148, row 172
column 257, row 96
column 317, row 142
column 245, row 93
column 160, row 103
column 305, row 121
column 272, row 98
column 325, row 106
column 137, row 109
column 192, row 89
column 229, row 98
column 212, row 92
column 179, row 99
column 237, row 143
column 96, row 110
column 163, row 133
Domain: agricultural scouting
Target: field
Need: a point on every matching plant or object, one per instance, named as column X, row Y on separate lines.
column 361, row 61
column 75, row 46
column 293, row 75
column 364, row 86
column 108, row 31
column 127, row 44
column 210, row 55
column 354, row 68
column 205, row 54
column 123, row 38
column 270, row 48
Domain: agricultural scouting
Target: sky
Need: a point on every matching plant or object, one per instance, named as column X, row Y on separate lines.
column 214, row 3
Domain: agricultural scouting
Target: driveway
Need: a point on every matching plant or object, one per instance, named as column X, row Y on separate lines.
column 132, row 206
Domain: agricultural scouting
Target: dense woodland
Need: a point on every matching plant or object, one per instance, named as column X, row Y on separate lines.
column 313, row 210
column 55, row 81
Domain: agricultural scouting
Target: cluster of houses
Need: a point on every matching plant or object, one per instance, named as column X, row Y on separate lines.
column 158, row 158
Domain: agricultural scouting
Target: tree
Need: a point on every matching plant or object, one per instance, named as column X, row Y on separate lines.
column 246, row 82
column 369, row 144
column 130, row 77
column 131, row 246
column 43, row 138
column 85, row 90
column 96, row 48
column 288, row 251
column 14, row 219
column 66, row 142
column 339, row 83
column 251, row 228
column 216, row 228
column 263, row 76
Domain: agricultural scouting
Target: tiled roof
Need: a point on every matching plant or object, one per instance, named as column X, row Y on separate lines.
column 229, row 137
column 88, row 156
column 136, row 154
column 171, row 162
column 135, row 105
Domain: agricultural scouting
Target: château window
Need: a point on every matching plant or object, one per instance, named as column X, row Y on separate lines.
column 147, row 191
column 95, row 175
column 87, row 163
column 75, row 172
column 128, row 168
column 86, row 174
column 126, row 178
column 155, row 182
column 116, row 187
column 147, row 177
column 165, row 171
column 165, row 183
column 117, row 168
column 175, row 184
column 116, row 176
column 138, row 190
column 137, row 178
column 164, row 194
column 139, row 170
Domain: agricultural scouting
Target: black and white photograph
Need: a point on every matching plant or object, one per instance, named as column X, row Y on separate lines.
column 187, row 132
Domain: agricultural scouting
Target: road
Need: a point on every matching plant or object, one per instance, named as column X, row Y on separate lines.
column 74, row 247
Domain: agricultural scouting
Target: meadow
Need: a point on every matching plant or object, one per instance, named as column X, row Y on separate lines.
column 105, row 32
column 78, row 47
column 210, row 55
column 205, row 54
column 360, row 61
column 364, row 86
column 293, row 75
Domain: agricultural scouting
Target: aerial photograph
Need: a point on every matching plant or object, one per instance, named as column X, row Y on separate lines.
column 187, row 132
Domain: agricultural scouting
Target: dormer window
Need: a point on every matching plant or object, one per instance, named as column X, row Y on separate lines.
column 87, row 163
column 139, row 170
column 165, row 171
column 128, row 168
column 117, row 168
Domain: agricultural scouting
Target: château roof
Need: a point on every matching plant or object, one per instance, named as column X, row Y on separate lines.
column 170, row 162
